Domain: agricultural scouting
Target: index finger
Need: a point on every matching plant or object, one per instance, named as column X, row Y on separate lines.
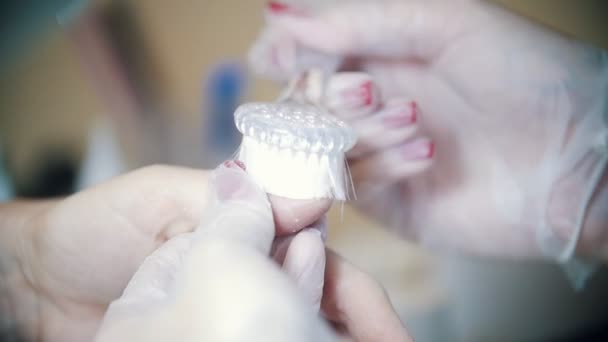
column 355, row 301
column 291, row 215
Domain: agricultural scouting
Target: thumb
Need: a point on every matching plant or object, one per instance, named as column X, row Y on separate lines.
column 416, row 29
column 238, row 210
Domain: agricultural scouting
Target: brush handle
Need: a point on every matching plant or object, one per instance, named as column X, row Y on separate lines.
column 306, row 87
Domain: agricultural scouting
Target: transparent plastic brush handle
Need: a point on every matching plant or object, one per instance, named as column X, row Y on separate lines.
column 306, row 87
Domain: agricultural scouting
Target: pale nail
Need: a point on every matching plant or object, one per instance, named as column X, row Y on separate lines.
column 422, row 149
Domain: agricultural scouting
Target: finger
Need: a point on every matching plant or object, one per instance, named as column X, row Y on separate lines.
column 273, row 54
column 147, row 290
column 239, row 294
column 291, row 215
column 154, row 277
column 167, row 210
column 351, row 95
column 235, row 202
column 358, row 303
column 281, row 243
column 421, row 28
column 229, row 291
column 393, row 164
column 304, row 261
column 392, row 125
column 277, row 56
column 239, row 209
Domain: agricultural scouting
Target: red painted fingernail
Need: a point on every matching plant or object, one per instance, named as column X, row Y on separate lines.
column 241, row 165
column 235, row 164
column 399, row 120
column 417, row 150
column 431, row 150
column 276, row 7
column 402, row 118
column 367, row 93
column 414, row 107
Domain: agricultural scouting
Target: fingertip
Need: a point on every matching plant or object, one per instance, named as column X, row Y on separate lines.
column 318, row 31
column 394, row 164
column 358, row 302
column 230, row 182
column 293, row 215
column 351, row 95
column 305, row 263
column 273, row 55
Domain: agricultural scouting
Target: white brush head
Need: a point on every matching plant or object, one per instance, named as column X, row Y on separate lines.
column 295, row 150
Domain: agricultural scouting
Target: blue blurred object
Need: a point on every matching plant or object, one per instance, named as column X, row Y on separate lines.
column 6, row 187
column 225, row 88
column 71, row 11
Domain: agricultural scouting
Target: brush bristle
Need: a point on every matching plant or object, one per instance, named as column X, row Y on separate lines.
column 295, row 174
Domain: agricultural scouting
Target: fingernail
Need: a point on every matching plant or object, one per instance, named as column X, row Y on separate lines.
column 360, row 96
column 276, row 7
column 367, row 93
column 231, row 182
column 235, row 164
column 414, row 106
column 402, row 117
column 420, row 149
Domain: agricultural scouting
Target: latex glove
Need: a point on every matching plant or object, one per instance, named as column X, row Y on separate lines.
column 63, row 261
column 516, row 113
column 218, row 283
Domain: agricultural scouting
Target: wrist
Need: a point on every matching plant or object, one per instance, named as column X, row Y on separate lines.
column 19, row 310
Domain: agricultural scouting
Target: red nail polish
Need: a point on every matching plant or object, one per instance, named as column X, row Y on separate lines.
column 414, row 107
column 431, row 150
column 276, row 7
column 419, row 150
column 401, row 119
column 241, row 165
column 367, row 93
column 234, row 164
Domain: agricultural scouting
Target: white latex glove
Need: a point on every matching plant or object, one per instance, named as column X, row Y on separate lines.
column 516, row 113
column 217, row 283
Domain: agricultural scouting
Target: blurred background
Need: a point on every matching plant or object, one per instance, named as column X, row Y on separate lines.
column 92, row 89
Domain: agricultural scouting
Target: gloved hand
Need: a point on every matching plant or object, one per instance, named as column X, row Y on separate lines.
column 511, row 115
column 219, row 284
column 63, row 261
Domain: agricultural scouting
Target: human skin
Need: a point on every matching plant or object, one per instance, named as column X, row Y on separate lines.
column 63, row 261
column 513, row 113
